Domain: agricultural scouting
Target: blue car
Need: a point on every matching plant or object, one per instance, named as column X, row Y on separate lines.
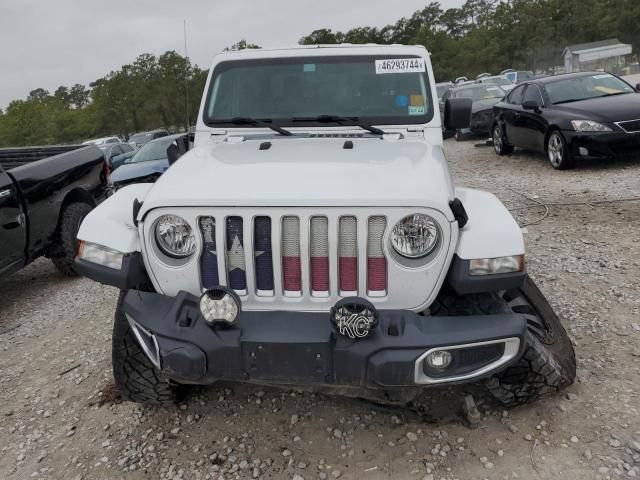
column 146, row 165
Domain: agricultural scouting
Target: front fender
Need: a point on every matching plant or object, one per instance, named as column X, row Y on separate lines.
column 491, row 230
column 111, row 224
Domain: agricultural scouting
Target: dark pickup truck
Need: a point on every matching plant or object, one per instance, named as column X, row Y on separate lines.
column 45, row 193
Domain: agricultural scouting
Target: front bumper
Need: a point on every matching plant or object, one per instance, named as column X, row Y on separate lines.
column 481, row 121
column 603, row 145
column 300, row 348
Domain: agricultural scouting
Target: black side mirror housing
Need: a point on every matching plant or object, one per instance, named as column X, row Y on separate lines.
column 638, row 87
column 457, row 113
column 531, row 105
column 179, row 147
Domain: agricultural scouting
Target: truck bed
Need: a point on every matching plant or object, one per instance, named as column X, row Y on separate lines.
column 16, row 157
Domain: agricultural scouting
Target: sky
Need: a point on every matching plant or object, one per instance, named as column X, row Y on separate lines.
column 48, row 43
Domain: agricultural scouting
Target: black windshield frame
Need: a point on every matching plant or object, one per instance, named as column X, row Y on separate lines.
column 289, row 122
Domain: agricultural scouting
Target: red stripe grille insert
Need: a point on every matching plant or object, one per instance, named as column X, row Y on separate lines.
column 291, row 271
column 348, row 255
column 319, row 246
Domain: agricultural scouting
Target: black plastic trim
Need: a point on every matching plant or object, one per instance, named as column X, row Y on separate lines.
column 464, row 283
column 287, row 347
column 459, row 213
column 131, row 275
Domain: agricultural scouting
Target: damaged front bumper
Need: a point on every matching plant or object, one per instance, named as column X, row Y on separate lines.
column 302, row 348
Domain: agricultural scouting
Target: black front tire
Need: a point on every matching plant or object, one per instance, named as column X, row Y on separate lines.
column 548, row 363
column 500, row 144
column 64, row 254
column 136, row 378
column 558, row 151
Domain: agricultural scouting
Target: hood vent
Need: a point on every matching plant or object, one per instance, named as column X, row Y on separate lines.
column 337, row 135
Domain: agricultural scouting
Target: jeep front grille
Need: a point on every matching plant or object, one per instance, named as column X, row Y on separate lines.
column 298, row 274
column 299, row 258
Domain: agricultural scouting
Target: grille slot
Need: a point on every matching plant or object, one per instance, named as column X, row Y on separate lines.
column 263, row 256
column 291, row 268
column 294, row 257
column 319, row 256
column 348, row 255
column 376, row 261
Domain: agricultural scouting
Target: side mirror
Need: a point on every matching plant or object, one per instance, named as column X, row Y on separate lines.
column 531, row 105
column 179, row 147
column 457, row 113
column 638, row 87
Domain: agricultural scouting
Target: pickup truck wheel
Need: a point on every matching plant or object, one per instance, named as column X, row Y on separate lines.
column 548, row 363
column 137, row 379
column 64, row 254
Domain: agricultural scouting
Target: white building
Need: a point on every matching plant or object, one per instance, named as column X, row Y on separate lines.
column 610, row 55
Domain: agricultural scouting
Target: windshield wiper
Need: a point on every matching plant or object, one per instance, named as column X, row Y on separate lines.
column 590, row 98
column 265, row 122
column 614, row 94
column 340, row 121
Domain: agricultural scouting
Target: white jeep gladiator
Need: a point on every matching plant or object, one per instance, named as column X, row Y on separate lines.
column 313, row 238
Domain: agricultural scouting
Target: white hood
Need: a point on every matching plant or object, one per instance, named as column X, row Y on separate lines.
column 307, row 172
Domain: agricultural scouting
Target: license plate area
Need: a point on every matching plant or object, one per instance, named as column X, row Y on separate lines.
column 289, row 363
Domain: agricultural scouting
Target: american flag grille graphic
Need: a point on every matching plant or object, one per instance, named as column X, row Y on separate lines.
column 236, row 267
column 277, row 268
column 263, row 256
column 209, row 256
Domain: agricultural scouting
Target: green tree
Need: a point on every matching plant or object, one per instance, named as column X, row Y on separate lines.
column 241, row 45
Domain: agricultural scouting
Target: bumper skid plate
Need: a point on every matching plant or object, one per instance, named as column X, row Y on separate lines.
column 302, row 348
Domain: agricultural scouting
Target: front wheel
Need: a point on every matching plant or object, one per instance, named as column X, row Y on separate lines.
column 500, row 141
column 558, row 152
column 137, row 379
column 548, row 363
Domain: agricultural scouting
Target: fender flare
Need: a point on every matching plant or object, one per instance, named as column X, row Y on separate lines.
column 491, row 230
column 111, row 224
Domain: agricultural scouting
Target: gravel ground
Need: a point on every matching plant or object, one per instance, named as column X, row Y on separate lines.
column 60, row 417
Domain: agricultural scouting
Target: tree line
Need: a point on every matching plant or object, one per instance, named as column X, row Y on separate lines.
column 480, row 36
column 491, row 35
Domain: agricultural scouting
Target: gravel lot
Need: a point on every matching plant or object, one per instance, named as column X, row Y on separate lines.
column 60, row 417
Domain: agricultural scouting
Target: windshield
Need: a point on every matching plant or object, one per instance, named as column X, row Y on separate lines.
column 377, row 90
column 140, row 138
column 156, row 150
column 585, row 87
column 523, row 76
column 499, row 81
column 479, row 92
column 442, row 89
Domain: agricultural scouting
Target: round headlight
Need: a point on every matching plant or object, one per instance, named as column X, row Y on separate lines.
column 415, row 236
column 174, row 236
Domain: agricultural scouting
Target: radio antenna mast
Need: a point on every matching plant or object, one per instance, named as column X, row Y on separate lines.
column 186, row 74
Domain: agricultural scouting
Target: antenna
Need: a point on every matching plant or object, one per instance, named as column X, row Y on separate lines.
column 186, row 74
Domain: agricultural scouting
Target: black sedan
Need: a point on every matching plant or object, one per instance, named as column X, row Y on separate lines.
column 484, row 97
column 570, row 116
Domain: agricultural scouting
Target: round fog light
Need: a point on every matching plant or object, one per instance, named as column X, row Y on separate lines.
column 219, row 306
column 439, row 359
